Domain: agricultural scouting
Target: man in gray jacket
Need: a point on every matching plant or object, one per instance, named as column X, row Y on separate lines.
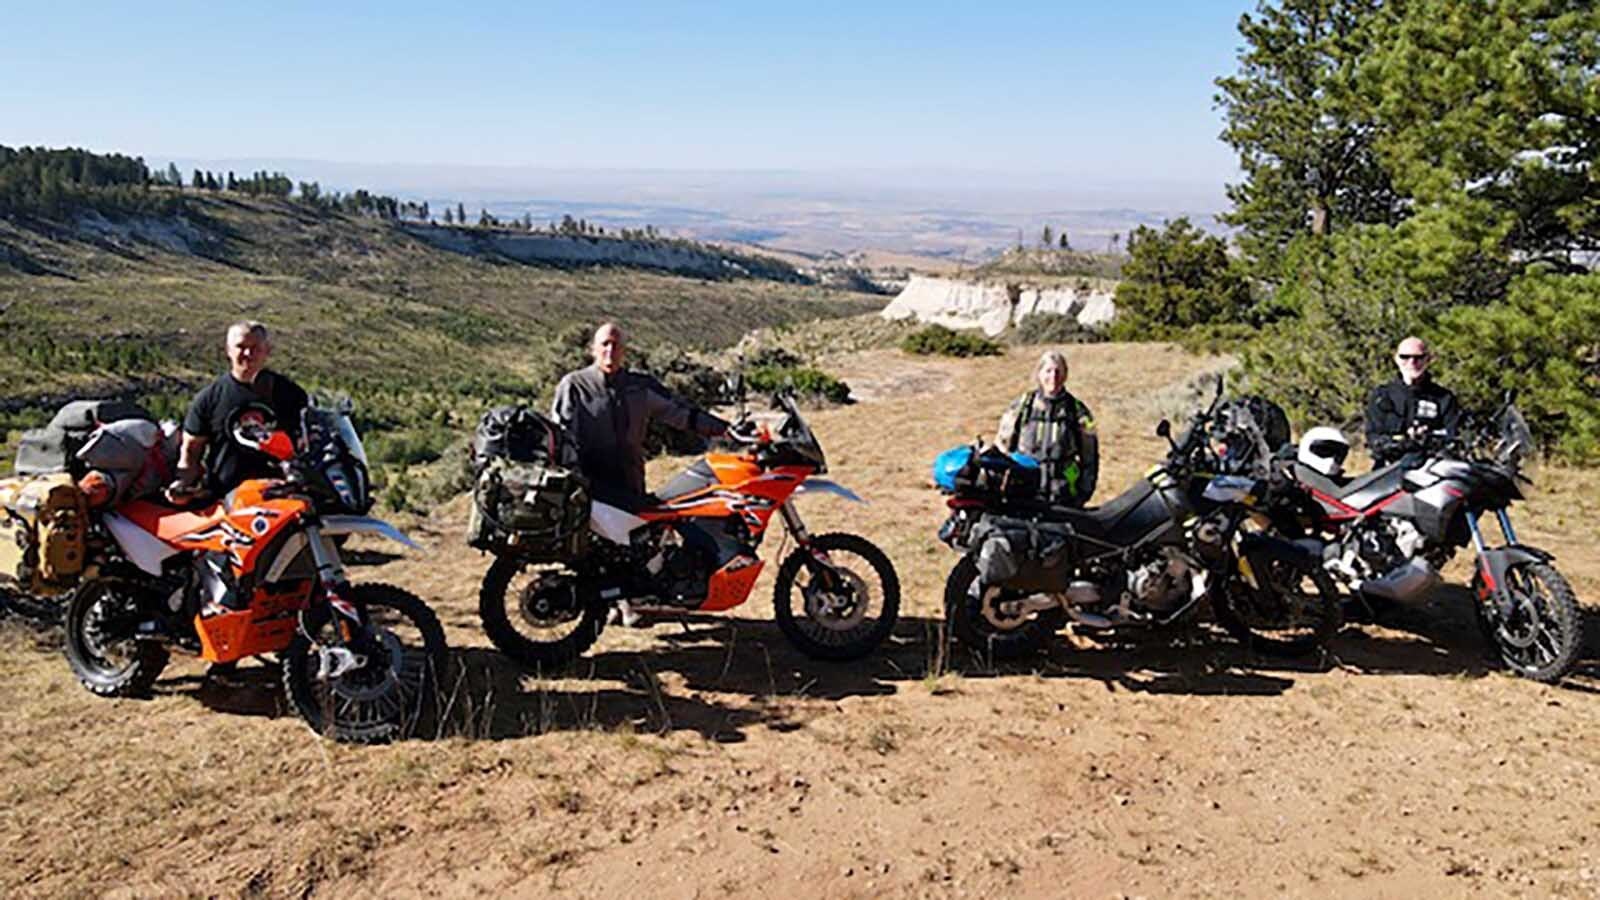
column 607, row 410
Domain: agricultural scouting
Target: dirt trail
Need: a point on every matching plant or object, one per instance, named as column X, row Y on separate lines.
column 705, row 759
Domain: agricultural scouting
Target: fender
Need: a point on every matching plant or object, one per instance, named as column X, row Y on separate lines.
column 333, row 525
column 825, row 486
column 1497, row 562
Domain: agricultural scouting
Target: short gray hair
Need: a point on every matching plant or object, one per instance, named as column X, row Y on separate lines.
column 1052, row 356
column 251, row 326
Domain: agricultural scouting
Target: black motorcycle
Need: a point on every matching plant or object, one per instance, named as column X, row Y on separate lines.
column 1186, row 532
column 1394, row 529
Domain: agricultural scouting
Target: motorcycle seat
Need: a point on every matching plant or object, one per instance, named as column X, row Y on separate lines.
column 1103, row 521
column 1339, row 488
column 170, row 523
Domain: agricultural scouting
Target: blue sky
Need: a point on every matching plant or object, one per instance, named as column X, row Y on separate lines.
column 1111, row 91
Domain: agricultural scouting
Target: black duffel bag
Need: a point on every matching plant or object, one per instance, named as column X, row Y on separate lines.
column 1022, row 554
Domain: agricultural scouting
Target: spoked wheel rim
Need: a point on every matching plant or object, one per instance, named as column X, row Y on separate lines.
column 1530, row 637
column 842, row 598
column 103, row 635
column 388, row 688
column 544, row 604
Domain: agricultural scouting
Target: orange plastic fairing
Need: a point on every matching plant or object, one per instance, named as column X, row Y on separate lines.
column 266, row 627
column 731, row 584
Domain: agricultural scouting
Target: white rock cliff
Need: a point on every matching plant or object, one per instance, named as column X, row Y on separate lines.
column 993, row 306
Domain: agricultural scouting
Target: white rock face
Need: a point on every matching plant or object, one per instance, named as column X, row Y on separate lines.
column 992, row 307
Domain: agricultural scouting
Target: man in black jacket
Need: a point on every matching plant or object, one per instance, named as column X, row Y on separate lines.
column 1403, row 415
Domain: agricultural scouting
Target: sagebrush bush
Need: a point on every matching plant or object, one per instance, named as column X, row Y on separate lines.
column 811, row 385
column 937, row 340
column 1053, row 328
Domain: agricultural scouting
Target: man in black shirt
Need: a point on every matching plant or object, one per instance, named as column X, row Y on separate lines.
column 208, row 427
column 1403, row 414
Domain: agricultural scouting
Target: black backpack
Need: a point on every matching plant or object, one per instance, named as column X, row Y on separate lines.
column 519, row 434
column 54, row 448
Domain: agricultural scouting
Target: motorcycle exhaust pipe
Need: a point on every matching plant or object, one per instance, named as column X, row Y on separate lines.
column 1405, row 583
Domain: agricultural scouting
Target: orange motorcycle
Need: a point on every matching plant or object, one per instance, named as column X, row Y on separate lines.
column 694, row 548
column 260, row 573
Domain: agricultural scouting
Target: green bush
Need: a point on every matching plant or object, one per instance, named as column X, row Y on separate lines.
column 813, row 385
column 1177, row 278
column 1543, row 342
column 937, row 340
column 1053, row 328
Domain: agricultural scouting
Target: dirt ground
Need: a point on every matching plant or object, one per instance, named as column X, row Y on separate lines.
column 704, row 758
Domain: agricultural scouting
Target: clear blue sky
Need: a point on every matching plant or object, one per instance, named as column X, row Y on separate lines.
column 1113, row 90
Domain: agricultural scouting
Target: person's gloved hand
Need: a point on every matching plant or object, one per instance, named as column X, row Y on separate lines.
column 744, row 431
column 185, row 487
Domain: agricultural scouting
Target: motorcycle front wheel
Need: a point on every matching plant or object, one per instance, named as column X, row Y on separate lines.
column 395, row 689
column 1543, row 636
column 849, row 597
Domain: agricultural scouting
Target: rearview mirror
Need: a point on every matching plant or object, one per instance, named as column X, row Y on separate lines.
column 1164, row 429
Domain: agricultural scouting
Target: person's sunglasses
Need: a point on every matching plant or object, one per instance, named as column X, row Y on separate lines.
column 1413, row 357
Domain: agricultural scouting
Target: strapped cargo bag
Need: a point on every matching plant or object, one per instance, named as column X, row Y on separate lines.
column 54, row 448
column 994, row 473
column 43, row 533
column 524, row 499
column 1023, row 555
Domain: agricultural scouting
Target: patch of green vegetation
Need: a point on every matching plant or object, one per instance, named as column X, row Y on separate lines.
column 937, row 340
column 1053, row 328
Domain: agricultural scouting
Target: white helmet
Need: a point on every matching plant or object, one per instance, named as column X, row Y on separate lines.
column 1324, row 449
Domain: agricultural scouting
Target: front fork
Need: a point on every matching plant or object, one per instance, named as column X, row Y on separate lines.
column 1492, row 586
column 349, row 621
column 816, row 559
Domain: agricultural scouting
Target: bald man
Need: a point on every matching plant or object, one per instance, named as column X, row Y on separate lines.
column 607, row 410
column 1403, row 415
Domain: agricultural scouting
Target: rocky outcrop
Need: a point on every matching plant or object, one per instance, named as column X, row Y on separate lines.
column 667, row 255
column 994, row 306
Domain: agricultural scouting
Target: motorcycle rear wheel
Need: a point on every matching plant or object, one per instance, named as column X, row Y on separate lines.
column 975, row 623
column 1544, row 636
column 100, row 645
column 538, row 630
column 394, row 693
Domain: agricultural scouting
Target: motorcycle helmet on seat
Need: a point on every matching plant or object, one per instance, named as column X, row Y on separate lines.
column 1324, row 449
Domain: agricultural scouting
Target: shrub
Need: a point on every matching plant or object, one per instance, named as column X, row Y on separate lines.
column 1053, row 328
column 937, row 340
column 1177, row 278
column 813, row 385
column 1543, row 342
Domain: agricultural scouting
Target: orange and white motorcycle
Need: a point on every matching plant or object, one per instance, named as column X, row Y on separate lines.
column 257, row 573
column 694, row 549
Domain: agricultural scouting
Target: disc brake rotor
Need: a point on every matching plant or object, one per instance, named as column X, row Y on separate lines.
column 842, row 608
column 545, row 603
column 378, row 677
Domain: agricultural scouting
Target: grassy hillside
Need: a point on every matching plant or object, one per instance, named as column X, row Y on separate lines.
column 420, row 337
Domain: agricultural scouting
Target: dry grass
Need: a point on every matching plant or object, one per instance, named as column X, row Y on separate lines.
column 707, row 758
